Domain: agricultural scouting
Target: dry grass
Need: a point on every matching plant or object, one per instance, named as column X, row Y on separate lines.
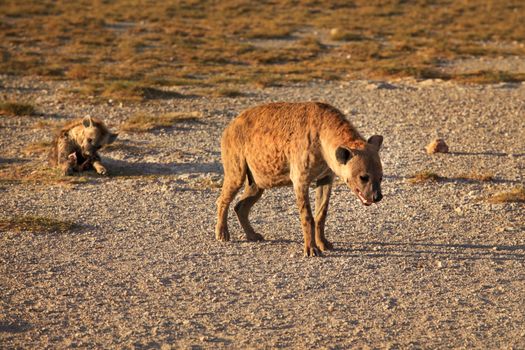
column 516, row 195
column 206, row 184
column 429, row 176
column 424, row 176
column 16, row 108
column 479, row 177
column 48, row 124
column 345, row 35
column 36, row 225
column 147, row 122
column 208, row 43
column 36, row 173
column 39, row 148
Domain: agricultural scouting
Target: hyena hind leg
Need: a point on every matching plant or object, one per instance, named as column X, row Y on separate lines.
column 230, row 187
column 250, row 196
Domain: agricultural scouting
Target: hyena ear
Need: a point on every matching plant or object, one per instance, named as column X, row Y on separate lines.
column 112, row 138
column 376, row 140
column 87, row 122
column 343, row 155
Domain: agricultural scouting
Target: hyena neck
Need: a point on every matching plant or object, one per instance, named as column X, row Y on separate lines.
column 339, row 133
column 76, row 136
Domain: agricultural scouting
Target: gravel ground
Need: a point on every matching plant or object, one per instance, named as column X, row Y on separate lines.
column 434, row 265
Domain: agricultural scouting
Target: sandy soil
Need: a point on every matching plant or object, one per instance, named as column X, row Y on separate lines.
column 434, row 265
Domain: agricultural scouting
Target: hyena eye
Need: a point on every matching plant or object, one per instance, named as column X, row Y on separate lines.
column 364, row 178
column 89, row 140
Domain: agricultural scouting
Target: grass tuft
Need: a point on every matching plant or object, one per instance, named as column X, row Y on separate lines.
column 16, row 108
column 37, row 148
column 206, row 183
column 480, row 177
column 147, row 122
column 37, row 225
column 344, row 35
column 516, row 195
column 37, row 172
column 424, row 176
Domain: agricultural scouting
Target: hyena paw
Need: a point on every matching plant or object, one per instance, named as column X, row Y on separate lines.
column 325, row 245
column 222, row 235
column 101, row 170
column 312, row 251
column 254, row 237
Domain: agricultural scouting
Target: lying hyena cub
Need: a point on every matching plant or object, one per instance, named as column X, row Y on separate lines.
column 295, row 144
column 76, row 145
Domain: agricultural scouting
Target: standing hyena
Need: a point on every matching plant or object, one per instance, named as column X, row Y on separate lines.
column 295, row 143
column 76, row 145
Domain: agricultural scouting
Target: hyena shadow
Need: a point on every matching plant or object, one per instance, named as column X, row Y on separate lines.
column 124, row 168
column 430, row 252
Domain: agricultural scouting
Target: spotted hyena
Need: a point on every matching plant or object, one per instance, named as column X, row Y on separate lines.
column 76, row 145
column 282, row 144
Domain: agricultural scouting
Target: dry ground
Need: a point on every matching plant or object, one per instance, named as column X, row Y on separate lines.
column 130, row 260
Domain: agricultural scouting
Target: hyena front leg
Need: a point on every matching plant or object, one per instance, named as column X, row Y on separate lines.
column 99, row 168
column 322, row 197
column 307, row 220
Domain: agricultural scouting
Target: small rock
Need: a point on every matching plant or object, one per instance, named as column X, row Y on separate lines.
column 437, row 146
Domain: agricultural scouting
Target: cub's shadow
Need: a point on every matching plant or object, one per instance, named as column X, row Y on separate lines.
column 436, row 250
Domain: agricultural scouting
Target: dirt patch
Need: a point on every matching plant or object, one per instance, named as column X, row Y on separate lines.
column 434, row 265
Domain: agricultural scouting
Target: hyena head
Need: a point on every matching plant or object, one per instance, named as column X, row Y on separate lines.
column 95, row 136
column 362, row 171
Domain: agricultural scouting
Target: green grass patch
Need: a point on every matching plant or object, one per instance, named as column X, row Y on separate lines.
column 16, row 108
column 492, row 77
column 37, row 172
column 515, row 195
column 478, row 177
column 37, row 225
column 345, row 35
column 424, row 176
column 132, row 52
